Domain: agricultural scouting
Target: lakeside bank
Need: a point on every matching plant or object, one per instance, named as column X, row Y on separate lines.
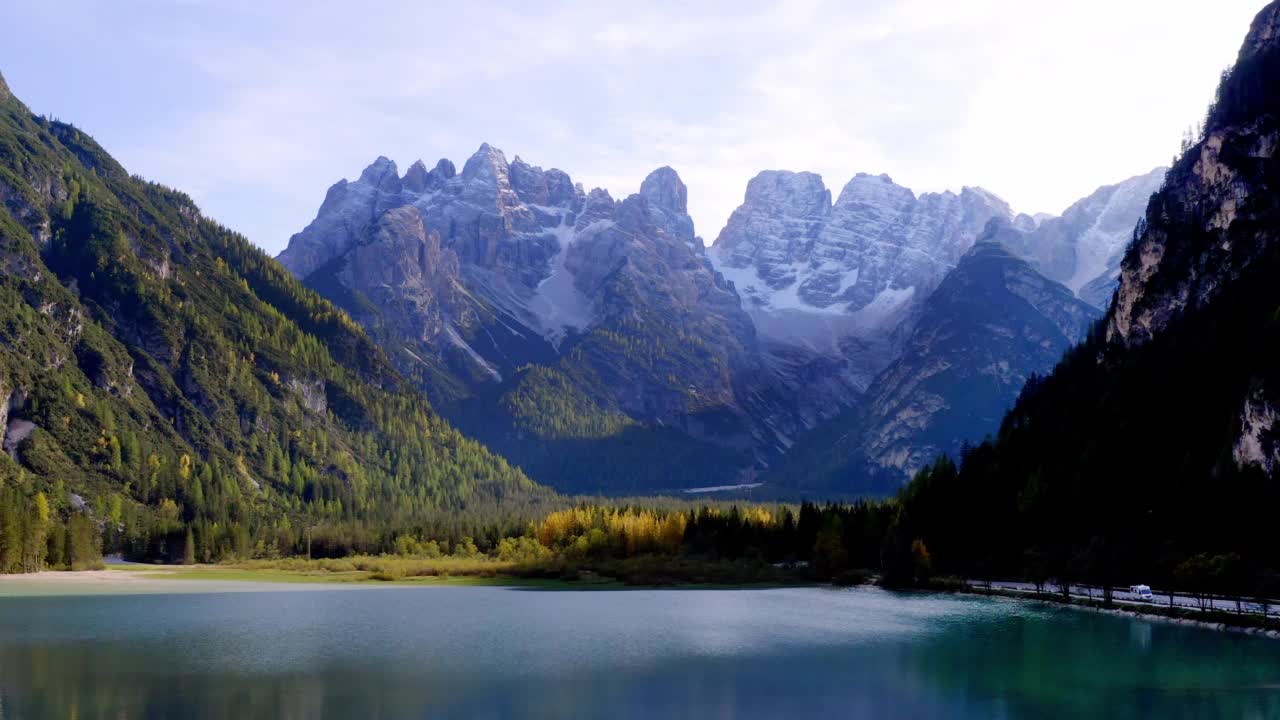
column 1247, row 623
column 449, row 572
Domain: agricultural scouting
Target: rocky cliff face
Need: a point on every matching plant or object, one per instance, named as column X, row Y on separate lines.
column 992, row 323
column 537, row 313
column 1083, row 247
column 540, row 314
column 140, row 339
column 834, row 289
column 1157, row 435
column 504, row 224
column 789, row 249
column 830, row 287
column 1211, row 220
column 1209, row 237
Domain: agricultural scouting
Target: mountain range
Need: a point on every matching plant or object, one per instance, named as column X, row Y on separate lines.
column 993, row 323
column 1106, row 376
column 159, row 371
column 596, row 343
column 563, row 327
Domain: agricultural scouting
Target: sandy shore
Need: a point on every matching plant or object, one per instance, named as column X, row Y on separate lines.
column 83, row 577
column 141, row 580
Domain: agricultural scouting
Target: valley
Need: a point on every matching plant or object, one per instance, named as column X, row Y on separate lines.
column 561, row 327
column 487, row 439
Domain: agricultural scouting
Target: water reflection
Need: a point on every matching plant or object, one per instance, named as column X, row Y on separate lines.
column 1140, row 635
column 488, row 652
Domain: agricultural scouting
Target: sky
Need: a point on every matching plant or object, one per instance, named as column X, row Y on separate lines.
column 256, row 108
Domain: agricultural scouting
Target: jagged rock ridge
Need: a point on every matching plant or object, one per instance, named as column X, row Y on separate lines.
column 154, row 361
column 541, row 314
column 993, row 322
column 470, row 279
column 835, row 289
column 1211, row 233
column 1083, row 247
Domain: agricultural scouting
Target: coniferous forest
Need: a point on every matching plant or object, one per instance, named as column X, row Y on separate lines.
column 170, row 393
column 1134, row 454
column 167, row 386
column 482, row 440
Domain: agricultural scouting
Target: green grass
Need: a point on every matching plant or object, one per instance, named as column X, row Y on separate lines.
column 273, row 575
column 444, row 570
column 434, row 572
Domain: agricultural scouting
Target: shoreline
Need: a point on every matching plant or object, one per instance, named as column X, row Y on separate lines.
column 1221, row 621
column 205, row 578
column 217, row 578
column 139, row 578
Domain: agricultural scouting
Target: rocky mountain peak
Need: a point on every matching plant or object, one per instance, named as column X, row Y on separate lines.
column 598, row 207
column 1264, row 32
column 487, row 165
column 991, row 323
column 788, row 249
column 1208, row 222
column 381, row 173
column 542, row 187
column 418, row 180
column 1083, row 247
column 347, row 209
column 668, row 199
column 975, row 194
column 480, row 280
column 880, row 177
column 416, row 177
column 875, row 192
column 4, row 90
column 775, row 226
column 664, row 189
column 796, row 193
column 599, row 195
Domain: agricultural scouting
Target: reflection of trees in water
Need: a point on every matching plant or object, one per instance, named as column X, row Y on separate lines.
column 110, row 680
column 1140, row 635
column 496, row 653
column 1075, row 664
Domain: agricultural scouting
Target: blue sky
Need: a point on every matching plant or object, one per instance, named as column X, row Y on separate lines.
column 256, row 108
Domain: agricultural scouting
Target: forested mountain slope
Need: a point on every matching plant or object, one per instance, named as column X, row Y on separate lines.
column 1156, row 439
column 163, row 380
column 1083, row 247
column 586, row 338
column 600, row 346
column 992, row 323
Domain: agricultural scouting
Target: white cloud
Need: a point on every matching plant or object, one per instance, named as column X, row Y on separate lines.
column 267, row 104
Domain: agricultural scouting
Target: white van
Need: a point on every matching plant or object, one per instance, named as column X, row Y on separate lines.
column 1142, row 592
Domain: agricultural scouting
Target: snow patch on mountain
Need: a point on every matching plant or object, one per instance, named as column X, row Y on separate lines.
column 458, row 342
column 806, row 267
column 1099, row 248
column 557, row 303
column 1083, row 247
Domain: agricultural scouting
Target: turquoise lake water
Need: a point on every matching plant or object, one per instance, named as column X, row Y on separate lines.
column 374, row 652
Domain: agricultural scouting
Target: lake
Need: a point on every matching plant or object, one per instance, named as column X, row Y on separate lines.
column 484, row 652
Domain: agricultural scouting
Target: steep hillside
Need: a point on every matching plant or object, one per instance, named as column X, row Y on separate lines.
column 1083, row 247
column 830, row 286
column 1156, row 438
column 166, row 378
column 565, row 328
column 835, row 289
column 586, row 338
column 992, row 323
